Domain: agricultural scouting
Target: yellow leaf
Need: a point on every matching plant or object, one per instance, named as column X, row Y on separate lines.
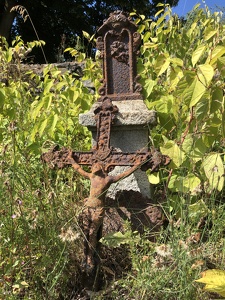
column 205, row 74
column 196, row 55
column 214, row 170
column 172, row 150
column 162, row 64
column 217, row 52
column 214, row 280
column 24, row 283
column 153, row 177
column 86, row 35
column 193, row 93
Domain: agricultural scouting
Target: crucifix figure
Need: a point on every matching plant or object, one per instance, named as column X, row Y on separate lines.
column 102, row 159
column 118, row 46
column 94, row 206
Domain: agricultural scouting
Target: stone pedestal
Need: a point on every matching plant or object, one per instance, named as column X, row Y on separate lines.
column 129, row 133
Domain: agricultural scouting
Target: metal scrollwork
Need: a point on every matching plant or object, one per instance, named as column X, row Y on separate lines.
column 120, row 51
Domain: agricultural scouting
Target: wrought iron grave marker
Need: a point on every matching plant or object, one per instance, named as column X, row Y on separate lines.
column 118, row 44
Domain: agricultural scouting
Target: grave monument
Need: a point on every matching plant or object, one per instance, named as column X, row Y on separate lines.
column 119, row 122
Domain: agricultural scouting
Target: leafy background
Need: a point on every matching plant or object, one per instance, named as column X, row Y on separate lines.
column 182, row 71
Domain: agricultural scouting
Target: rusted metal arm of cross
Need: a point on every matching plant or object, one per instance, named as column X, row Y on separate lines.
column 118, row 44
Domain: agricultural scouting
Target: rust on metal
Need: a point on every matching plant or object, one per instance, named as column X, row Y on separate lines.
column 102, row 158
column 102, row 152
column 118, row 43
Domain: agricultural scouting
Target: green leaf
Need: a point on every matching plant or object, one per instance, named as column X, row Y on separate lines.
column 191, row 30
column 149, row 45
column 214, row 280
column 72, row 51
column 34, row 148
column 52, row 123
column 197, row 210
column 194, row 92
column 205, row 74
column 84, row 104
column 165, row 104
column 202, row 109
column 2, row 99
column 198, row 150
column 42, row 127
column 160, row 11
column 36, row 106
column 215, row 54
column 221, row 65
column 197, row 54
column 209, row 33
column 162, row 64
column 146, row 36
column 118, row 238
column 9, row 54
column 141, row 28
column 217, row 99
column 149, row 85
column 187, row 184
column 177, row 61
column 24, row 283
column 214, row 171
column 33, row 132
column 176, row 74
column 174, row 152
column 48, row 85
column 187, row 145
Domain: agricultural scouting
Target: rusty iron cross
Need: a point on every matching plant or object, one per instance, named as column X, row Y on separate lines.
column 102, row 152
column 118, row 44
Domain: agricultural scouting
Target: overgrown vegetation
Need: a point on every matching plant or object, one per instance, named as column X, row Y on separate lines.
column 64, row 22
column 182, row 71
